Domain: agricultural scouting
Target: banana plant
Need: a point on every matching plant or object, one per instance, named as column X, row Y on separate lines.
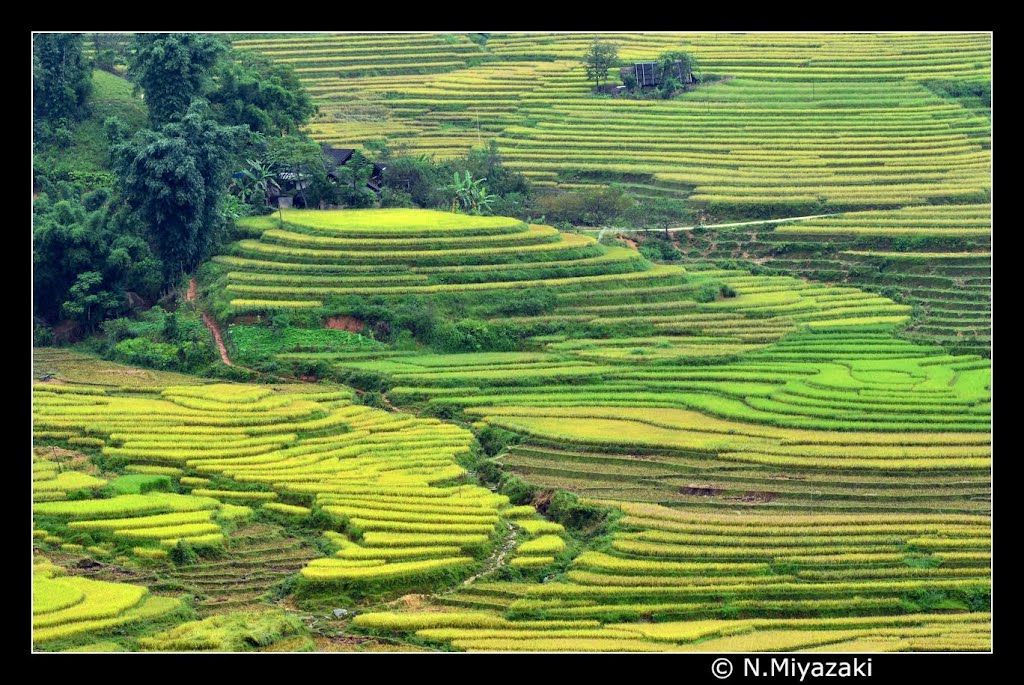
column 262, row 177
column 468, row 195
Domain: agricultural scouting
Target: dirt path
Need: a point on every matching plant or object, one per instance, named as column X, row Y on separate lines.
column 208, row 321
column 730, row 225
column 496, row 559
column 387, row 401
column 212, row 325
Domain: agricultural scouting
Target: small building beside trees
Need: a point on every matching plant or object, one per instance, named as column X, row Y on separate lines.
column 671, row 73
column 341, row 156
column 291, row 183
column 653, row 74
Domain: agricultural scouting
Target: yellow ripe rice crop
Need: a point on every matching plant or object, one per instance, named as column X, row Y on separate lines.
column 542, row 544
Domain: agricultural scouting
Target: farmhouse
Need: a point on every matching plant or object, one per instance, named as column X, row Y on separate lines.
column 649, row 75
column 341, row 156
column 292, row 183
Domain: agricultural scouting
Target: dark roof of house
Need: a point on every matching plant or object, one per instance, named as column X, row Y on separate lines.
column 338, row 155
column 341, row 155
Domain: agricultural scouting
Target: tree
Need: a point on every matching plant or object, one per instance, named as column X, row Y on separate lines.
column 674, row 75
column 353, row 177
column 418, row 177
column 88, row 301
column 659, row 212
column 589, row 207
column 486, row 162
column 300, row 158
column 255, row 182
column 599, row 59
column 61, row 77
column 254, row 91
column 171, row 69
column 175, row 178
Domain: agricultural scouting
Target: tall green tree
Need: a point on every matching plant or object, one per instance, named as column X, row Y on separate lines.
column 599, row 59
column 298, row 158
column 352, row 179
column 173, row 68
column 486, row 162
column 61, row 76
column 265, row 96
column 175, row 178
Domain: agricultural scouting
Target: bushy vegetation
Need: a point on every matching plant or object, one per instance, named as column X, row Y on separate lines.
column 159, row 339
column 90, row 259
column 410, row 181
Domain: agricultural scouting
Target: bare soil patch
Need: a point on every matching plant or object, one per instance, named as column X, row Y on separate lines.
column 345, row 323
column 700, row 491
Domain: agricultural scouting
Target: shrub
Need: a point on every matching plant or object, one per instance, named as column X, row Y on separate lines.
column 565, row 508
column 979, row 599
column 517, row 490
column 660, row 250
column 42, row 335
column 183, row 554
column 495, row 440
column 473, row 335
column 143, row 352
column 374, row 399
column 488, row 472
column 708, row 292
column 393, row 197
column 590, row 207
column 532, row 302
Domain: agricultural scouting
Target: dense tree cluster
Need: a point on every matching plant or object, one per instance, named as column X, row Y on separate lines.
column 173, row 68
column 268, row 98
column 88, row 256
column 61, row 82
column 210, row 109
column 174, row 177
column 490, row 188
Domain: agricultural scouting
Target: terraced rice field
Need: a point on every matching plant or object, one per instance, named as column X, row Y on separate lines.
column 781, row 464
column 795, row 124
column 785, row 464
column 800, row 119
column 64, row 607
column 937, row 257
column 488, row 631
column 235, row 449
column 355, row 254
column 260, row 557
column 385, row 473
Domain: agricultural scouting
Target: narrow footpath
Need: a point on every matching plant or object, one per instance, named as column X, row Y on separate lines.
column 497, row 557
column 190, row 296
column 731, row 225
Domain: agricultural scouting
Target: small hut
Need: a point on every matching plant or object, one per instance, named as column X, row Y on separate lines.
column 293, row 182
column 341, row 156
column 649, row 74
